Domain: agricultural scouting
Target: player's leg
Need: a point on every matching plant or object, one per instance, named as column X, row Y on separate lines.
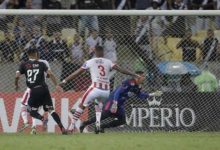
column 87, row 98
column 105, row 115
column 48, row 107
column 35, row 101
column 24, row 114
column 98, row 112
column 33, row 110
column 120, row 120
column 103, row 95
column 34, row 120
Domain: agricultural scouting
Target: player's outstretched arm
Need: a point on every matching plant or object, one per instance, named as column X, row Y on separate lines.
column 124, row 71
column 52, row 77
column 17, row 77
column 54, row 80
column 72, row 76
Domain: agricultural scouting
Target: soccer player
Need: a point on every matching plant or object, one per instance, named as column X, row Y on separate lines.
column 24, row 102
column 34, row 71
column 99, row 68
column 115, row 105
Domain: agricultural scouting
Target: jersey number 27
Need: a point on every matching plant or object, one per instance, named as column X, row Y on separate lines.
column 32, row 75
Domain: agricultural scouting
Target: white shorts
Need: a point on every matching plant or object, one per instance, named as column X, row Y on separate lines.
column 25, row 97
column 94, row 93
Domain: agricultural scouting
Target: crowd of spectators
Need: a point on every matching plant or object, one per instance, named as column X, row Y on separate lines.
column 139, row 33
column 32, row 29
column 111, row 4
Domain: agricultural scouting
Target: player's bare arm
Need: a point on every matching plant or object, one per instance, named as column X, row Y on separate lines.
column 124, row 71
column 17, row 77
column 72, row 76
column 52, row 77
column 54, row 80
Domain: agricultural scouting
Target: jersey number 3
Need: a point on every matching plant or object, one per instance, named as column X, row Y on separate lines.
column 101, row 70
column 32, row 75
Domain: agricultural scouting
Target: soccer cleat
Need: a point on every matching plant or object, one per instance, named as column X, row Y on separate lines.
column 96, row 130
column 33, row 131
column 72, row 128
column 72, row 111
column 102, row 130
column 97, row 127
column 64, row 131
column 24, row 126
column 45, row 124
column 81, row 128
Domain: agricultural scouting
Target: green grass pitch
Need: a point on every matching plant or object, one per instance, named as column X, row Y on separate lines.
column 113, row 141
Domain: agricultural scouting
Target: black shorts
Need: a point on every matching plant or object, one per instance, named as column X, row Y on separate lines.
column 40, row 96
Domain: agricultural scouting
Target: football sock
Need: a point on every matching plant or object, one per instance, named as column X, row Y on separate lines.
column 24, row 114
column 76, row 116
column 57, row 119
column 34, row 122
column 98, row 113
column 36, row 115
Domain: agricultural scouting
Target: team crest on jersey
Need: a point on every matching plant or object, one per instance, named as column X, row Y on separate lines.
column 28, row 66
column 84, row 65
column 132, row 83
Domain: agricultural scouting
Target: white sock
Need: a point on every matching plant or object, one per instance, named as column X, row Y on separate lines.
column 34, row 122
column 98, row 117
column 98, row 109
column 24, row 114
column 76, row 116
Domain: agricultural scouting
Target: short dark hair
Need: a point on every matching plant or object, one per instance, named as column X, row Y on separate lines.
column 99, row 49
column 32, row 51
column 139, row 72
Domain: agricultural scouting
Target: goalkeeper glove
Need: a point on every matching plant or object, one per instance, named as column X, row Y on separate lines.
column 114, row 107
column 156, row 93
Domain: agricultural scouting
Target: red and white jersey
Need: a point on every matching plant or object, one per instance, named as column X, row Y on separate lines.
column 99, row 69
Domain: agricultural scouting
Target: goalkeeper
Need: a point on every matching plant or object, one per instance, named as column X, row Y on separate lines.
column 115, row 105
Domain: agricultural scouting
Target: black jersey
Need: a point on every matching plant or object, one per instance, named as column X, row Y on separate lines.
column 34, row 72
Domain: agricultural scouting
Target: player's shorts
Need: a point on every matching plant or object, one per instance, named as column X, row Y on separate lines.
column 94, row 93
column 40, row 96
column 25, row 97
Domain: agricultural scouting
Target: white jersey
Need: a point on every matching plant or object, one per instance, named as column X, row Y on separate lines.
column 92, row 43
column 100, row 71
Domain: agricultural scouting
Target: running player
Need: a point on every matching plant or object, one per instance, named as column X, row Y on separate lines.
column 34, row 71
column 99, row 68
column 115, row 105
column 24, row 102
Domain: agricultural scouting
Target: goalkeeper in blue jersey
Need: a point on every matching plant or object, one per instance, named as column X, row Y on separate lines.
column 115, row 104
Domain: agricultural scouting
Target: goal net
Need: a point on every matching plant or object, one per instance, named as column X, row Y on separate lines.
column 179, row 54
